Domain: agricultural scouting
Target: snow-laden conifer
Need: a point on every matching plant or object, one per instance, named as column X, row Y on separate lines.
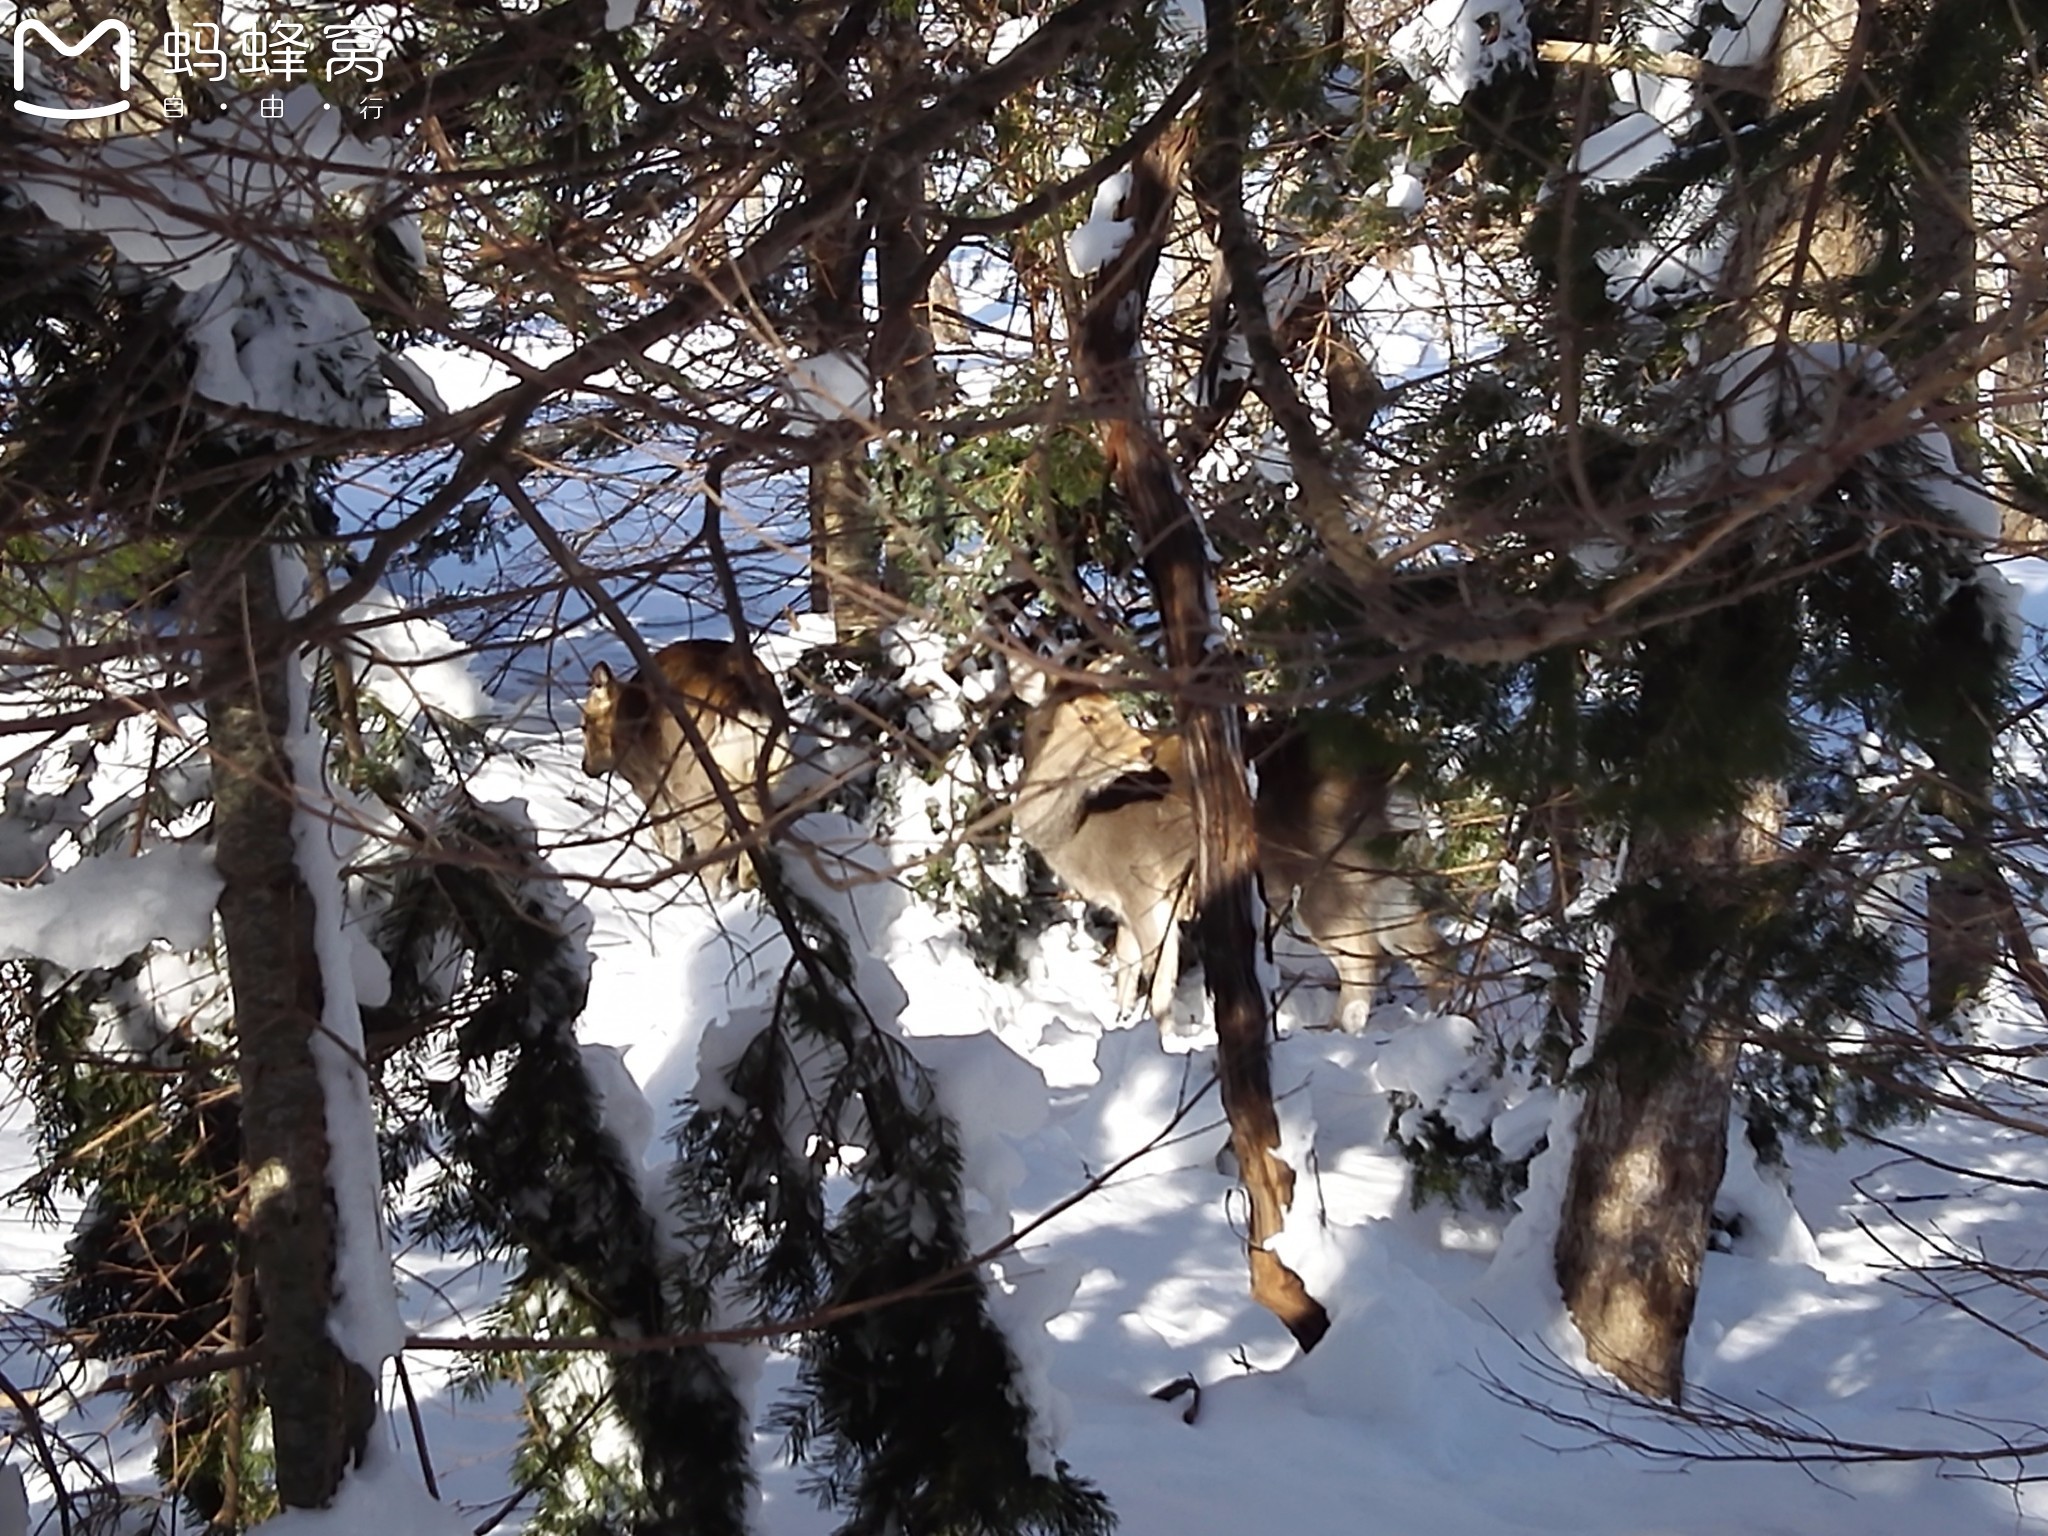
column 488, row 966
column 819, row 1179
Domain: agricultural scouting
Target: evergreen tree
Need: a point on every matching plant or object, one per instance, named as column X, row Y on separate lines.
column 483, row 943
column 909, row 1412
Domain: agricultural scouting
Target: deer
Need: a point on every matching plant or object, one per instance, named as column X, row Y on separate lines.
column 1114, row 825
column 630, row 730
column 1108, row 807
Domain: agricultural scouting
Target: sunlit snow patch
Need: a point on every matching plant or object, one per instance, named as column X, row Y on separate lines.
column 105, row 909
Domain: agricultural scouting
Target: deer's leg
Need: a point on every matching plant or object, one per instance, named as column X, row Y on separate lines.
column 1410, row 934
column 666, row 820
column 705, row 823
column 1336, row 909
column 741, row 751
column 1155, row 939
column 1130, row 966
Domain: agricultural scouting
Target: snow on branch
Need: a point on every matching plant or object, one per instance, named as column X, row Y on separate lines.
column 1455, row 46
column 102, row 911
column 365, row 1324
column 178, row 205
column 1103, row 237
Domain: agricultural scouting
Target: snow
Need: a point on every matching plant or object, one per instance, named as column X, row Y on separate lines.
column 1425, row 1059
column 461, row 376
column 1680, row 261
column 1187, row 21
column 1101, row 239
column 1623, row 150
column 283, row 341
column 1520, row 1129
column 364, row 1321
column 1423, row 314
column 169, row 201
column 384, row 1496
column 1773, row 412
column 1665, row 99
column 1011, row 35
column 1391, row 1423
column 1771, row 1228
column 103, row 910
column 410, row 664
column 833, row 386
column 1405, row 191
column 1743, row 31
column 1455, row 46
column 1143, row 1281
column 1684, row 257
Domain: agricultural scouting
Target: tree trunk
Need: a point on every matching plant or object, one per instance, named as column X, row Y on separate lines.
column 1205, row 684
column 1802, row 244
column 904, row 358
column 1962, row 909
column 322, row 1403
column 1653, row 1129
column 2008, row 192
column 846, row 545
column 1653, row 1132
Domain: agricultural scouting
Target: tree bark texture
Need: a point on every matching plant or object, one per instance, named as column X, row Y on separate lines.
column 846, row 544
column 1653, row 1129
column 1799, row 243
column 846, row 541
column 2016, row 237
column 322, row 1404
column 903, row 356
column 1962, row 905
column 1176, row 562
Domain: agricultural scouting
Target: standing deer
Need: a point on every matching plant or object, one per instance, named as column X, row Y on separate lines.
column 729, row 697
column 1330, row 840
column 1114, row 825
column 1108, row 808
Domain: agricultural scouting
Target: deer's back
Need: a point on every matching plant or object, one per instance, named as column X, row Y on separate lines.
column 722, row 688
column 1315, row 813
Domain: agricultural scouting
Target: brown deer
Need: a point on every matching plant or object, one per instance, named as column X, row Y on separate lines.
column 1108, row 807
column 1114, row 825
column 1331, row 836
column 730, row 698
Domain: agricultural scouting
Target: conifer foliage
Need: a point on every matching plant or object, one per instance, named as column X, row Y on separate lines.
column 485, row 953
column 1655, row 560
column 909, row 1411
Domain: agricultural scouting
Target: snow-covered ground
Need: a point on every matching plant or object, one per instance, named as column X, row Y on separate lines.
column 1401, row 1421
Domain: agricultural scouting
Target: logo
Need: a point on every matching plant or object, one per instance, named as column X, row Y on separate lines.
column 124, row 50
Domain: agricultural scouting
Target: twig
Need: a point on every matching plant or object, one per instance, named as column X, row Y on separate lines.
column 419, row 1430
column 33, row 1423
column 1675, row 66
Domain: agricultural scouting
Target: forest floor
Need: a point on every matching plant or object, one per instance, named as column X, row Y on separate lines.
column 1450, row 1397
